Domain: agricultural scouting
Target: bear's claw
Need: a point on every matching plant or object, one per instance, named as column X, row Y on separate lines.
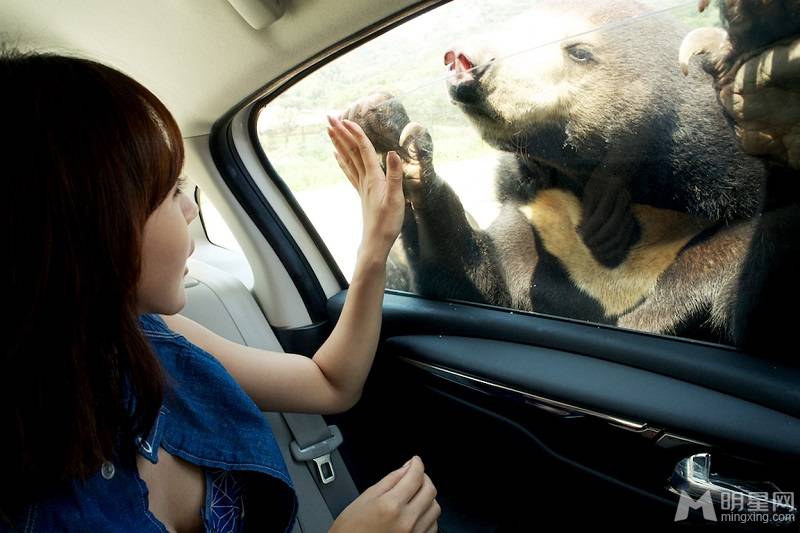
column 385, row 122
column 418, row 173
column 382, row 117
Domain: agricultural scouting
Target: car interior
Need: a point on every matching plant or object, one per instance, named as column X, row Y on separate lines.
column 522, row 419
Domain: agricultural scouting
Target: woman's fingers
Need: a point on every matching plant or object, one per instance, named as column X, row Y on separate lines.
column 428, row 521
column 367, row 152
column 421, row 503
column 337, row 134
column 348, row 172
column 347, row 146
column 407, row 487
column 351, row 160
column 388, row 481
column 345, row 162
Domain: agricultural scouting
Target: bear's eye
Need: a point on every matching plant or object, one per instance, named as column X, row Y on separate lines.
column 579, row 54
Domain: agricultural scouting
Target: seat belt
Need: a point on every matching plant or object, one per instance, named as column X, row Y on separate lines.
column 315, row 443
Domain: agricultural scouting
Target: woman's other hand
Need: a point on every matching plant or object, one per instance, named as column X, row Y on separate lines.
column 382, row 200
column 402, row 502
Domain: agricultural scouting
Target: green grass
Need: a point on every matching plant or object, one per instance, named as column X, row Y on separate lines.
column 306, row 162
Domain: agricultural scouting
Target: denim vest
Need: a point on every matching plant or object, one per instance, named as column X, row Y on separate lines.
column 208, row 421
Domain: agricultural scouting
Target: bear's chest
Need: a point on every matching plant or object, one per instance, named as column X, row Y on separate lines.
column 555, row 215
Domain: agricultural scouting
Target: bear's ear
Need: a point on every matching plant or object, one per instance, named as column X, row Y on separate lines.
column 712, row 44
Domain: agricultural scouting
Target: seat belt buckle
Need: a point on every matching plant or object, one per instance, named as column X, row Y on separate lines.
column 325, row 468
column 320, row 453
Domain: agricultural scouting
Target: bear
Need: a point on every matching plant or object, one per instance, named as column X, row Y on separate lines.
column 606, row 115
column 625, row 199
column 754, row 63
column 754, row 60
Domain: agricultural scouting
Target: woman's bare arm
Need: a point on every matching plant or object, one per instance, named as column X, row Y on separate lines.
column 332, row 380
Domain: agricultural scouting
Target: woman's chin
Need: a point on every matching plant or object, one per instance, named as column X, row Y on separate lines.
column 178, row 305
column 177, row 302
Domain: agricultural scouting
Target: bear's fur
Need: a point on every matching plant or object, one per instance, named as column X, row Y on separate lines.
column 625, row 198
column 625, row 116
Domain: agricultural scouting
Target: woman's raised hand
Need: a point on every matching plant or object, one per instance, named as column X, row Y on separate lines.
column 382, row 200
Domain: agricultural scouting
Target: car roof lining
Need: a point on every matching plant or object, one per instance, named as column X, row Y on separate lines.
column 201, row 59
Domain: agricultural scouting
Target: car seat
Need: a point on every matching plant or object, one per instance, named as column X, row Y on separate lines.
column 220, row 302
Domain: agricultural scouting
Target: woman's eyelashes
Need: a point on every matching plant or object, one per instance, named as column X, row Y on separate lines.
column 181, row 184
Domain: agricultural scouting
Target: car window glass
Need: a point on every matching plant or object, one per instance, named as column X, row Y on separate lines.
column 216, row 228
column 593, row 161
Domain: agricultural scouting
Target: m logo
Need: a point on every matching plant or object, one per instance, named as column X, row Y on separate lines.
column 703, row 502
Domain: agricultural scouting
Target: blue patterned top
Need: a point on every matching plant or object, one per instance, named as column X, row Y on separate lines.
column 206, row 419
column 224, row 504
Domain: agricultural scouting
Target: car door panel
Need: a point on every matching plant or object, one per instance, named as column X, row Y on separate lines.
column 638, row 397
column 582, row 426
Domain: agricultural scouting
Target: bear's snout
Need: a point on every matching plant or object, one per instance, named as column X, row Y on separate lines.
column 465, row 75
column 463, row 67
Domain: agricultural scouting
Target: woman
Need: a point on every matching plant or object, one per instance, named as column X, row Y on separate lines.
column 117, row 417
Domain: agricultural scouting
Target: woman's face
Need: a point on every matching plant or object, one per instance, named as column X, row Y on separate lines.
column 165, row 248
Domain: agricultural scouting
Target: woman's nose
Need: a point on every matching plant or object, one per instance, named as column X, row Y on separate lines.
column 190, row 209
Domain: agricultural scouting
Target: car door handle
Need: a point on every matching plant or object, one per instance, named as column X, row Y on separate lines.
column 693, row 477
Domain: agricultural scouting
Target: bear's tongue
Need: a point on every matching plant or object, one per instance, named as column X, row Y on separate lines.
column 460, row 64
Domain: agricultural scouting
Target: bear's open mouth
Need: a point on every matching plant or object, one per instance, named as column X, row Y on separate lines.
column 463, row 81
column 462, row 68
column 460, row 65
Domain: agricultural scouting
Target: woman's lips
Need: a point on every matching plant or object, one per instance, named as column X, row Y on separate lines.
column 191, row 251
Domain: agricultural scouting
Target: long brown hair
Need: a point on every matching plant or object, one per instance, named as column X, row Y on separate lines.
column 87, row 155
